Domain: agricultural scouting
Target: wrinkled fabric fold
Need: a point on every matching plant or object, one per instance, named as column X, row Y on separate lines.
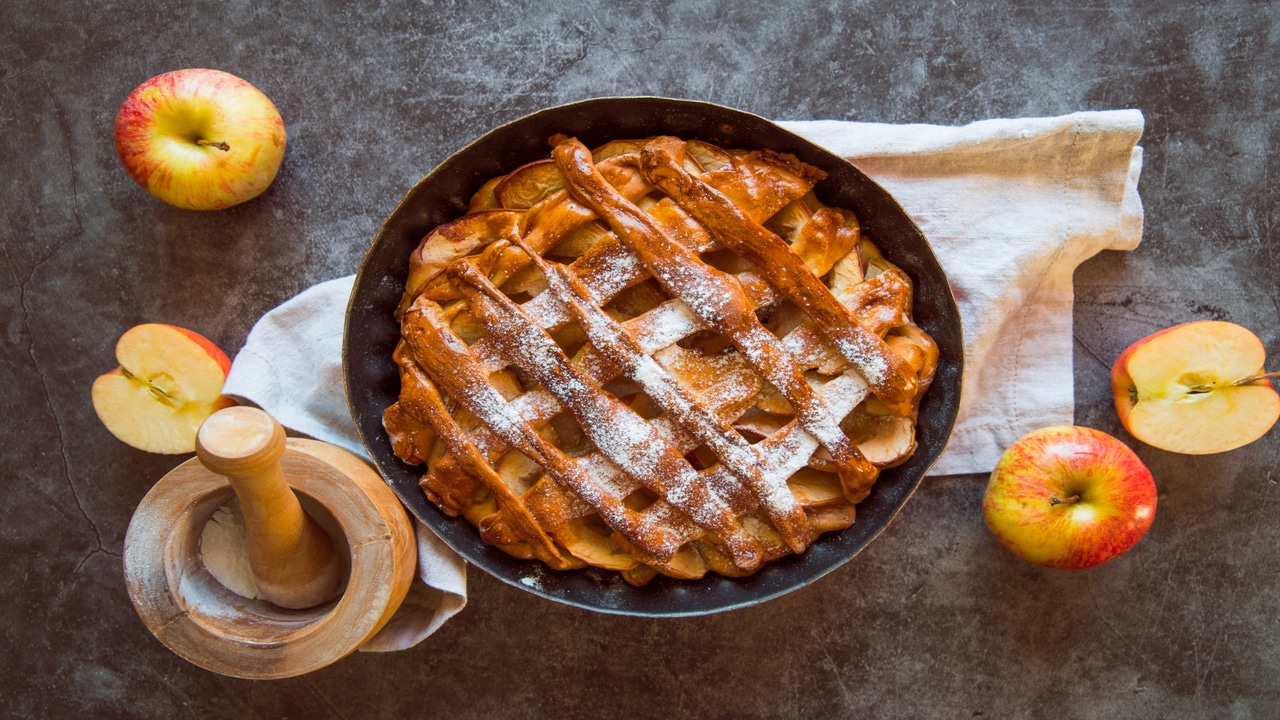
column 1011, row 208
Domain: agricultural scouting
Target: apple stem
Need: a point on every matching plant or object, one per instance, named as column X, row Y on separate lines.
column 221, row 145
column 1257, row 377
column 1245, row 381
column 1060, row 501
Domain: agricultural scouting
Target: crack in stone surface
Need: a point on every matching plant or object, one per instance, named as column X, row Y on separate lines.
column 1090, row 350
column 60, row 436
column 22, row 282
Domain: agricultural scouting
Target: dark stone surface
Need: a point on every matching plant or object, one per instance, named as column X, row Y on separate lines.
column 933, row 620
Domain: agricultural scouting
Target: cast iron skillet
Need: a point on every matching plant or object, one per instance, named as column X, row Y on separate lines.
column 371, row 333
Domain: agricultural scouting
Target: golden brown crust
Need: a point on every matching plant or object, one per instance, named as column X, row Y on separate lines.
column 784, row 268
column 629, row 359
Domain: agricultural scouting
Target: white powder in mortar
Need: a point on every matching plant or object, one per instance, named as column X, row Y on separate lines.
column 224, row 547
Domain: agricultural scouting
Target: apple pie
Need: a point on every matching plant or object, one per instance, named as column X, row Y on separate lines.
column 655, row 357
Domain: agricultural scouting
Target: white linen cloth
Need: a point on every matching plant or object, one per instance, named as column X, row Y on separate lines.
column 1010, row 206
column 291, row 366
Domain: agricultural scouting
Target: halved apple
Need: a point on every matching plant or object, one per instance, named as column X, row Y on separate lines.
column 1196, row 388
column 168, row 381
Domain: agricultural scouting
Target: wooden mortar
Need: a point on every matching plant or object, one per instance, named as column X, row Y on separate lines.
column 296, row 562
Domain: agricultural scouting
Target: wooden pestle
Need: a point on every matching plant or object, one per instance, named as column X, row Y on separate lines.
column 293, row 559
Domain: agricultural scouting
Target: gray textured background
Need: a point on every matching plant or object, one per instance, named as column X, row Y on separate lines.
column 933, row 620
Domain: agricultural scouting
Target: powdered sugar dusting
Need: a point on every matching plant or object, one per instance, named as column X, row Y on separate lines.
column 733, row 451
column 616, row 343
column 621, row 270
column 873, row 366
column 699, row 403
column 818, row 419
column 789, row 449
column 624, row 437
column 665, row 325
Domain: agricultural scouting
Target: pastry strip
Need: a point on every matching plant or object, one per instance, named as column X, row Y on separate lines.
column 423, row 401
column 873, row 301
column 450, row 365
column 624, row 437
column 621, row 348
column 717, row 299
column 889, row 375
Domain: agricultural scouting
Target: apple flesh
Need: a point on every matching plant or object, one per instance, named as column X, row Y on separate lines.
column 168, row 382
column 200, row 139
column 1196, row 388
column 1069, row 497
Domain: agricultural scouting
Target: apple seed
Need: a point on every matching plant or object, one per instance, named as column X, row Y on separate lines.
column 150, row 386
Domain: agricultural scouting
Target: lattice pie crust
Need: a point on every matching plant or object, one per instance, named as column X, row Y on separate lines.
column 655, row 357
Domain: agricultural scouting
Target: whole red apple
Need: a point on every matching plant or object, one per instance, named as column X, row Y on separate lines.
column 200, row 139
column 1069, row 497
